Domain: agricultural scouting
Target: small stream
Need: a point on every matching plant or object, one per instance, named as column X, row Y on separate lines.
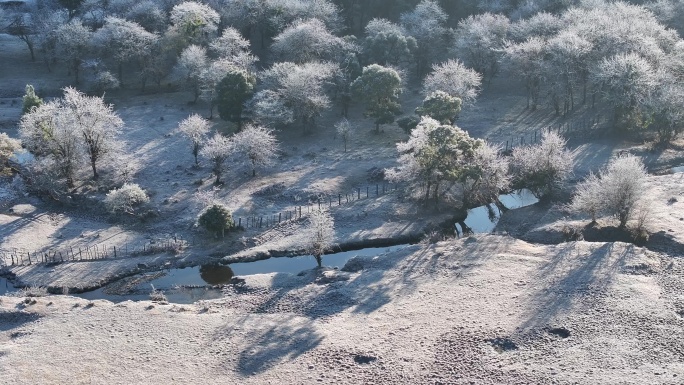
column 191, row 284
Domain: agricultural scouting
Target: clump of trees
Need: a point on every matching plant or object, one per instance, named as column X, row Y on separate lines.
column 618, row 190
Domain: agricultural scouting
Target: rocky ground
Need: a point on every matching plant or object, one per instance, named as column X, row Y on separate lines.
column 486, row 309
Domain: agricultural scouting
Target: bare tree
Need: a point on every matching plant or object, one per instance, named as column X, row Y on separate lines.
column 218, row 149
column 257, row 145
column 320, row 234
column 345, row 130
column 195, row 128
column 73, row 41
column 191, row 65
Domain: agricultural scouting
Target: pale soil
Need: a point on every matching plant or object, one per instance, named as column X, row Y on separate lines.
column 425, row 314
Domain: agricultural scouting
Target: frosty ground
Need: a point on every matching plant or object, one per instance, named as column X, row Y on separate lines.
column 486, row 309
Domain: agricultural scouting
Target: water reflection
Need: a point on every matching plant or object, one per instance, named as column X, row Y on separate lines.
column 216, row 274
column 483, row 219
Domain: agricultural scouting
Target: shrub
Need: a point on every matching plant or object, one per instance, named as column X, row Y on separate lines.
column 125, row 198
column 618, row 190
column 216, row 218
column 30, row 100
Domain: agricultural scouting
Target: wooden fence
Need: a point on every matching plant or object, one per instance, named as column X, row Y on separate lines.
column 17, row 257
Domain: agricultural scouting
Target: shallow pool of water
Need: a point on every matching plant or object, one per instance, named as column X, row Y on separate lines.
column 677, row 169
column 483, row 219
column 193, row 283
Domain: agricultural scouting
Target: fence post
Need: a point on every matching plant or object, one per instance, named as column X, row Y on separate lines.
column 366, row 191
column 358, row 192
column 377, row 191
column 339, row 199
column 279, row 214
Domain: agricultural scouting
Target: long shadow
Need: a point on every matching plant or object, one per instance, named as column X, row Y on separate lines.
column 285, row 341
column 572, row 288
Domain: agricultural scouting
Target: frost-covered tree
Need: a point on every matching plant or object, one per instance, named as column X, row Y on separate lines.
column 440, row 106
column 386, row 43
column 479, row 41
column 73, row 41
column 30, row 100
column 455, row 79
column 427, row 24
column 320, row 234
column 125, row 199
column 485, row 176
column 70, row 128
column 434, row 156
column 236, row 87
column 257, row 146
column 627, row 82
column 568, row 63
column 542, row 168
column 195, row 128
column 379, row 87
column 210, row 78
column 527, row 60
column 95, row 123
column 617, row 190
column 195, row 22
column 7, row 148
column 148, row 14
column 218, row 150
column 292, row 93
column 46, row 132
column 540, row 25
column 191, row 65
column 125, row 42
column 308, row 40
column 232, row 46
column 345, row 130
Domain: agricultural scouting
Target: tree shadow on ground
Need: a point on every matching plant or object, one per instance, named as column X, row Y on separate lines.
column 13, row 319
column 572, row 279
column 285, row 340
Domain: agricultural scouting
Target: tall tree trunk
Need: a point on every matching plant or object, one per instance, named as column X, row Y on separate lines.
column 94, row 167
